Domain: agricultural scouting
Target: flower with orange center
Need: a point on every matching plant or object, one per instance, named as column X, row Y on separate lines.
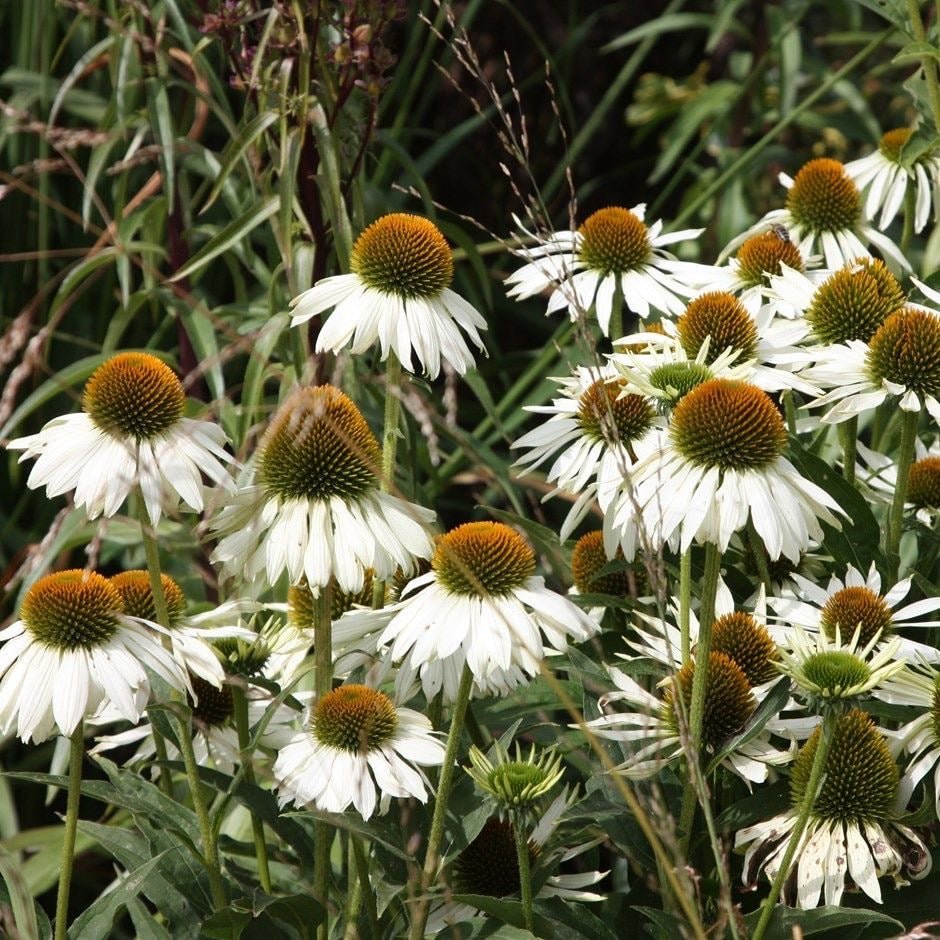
column 824, row 212
column 315, row 509
column 191, row 637
column 887, row 173
column 880, row 472
column 130, row 435
column 74, row 651
column 855, row 603
column 399, row 295
column 613, row 251
column 358, row 748
column 480, row 605
column 722, row 464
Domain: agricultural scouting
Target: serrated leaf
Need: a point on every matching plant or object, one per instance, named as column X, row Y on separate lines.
column 825, row 919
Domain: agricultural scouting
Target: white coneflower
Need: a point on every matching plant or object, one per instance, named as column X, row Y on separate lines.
column 191, row 637
column 824, row 213
column 595, row 430
column 613, row 251
column 316, row 510
column 131, row 434
column 481, row 605
column 880, row 472
column 887, row 174
column 650, row 727
column 901, row 360
column 851, row 834
column 856, row 602
column 74, row 651
column 359, row 749
column 722, row 464
column 399, row 295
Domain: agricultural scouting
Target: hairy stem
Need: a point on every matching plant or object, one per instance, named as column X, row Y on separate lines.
column 76, row 756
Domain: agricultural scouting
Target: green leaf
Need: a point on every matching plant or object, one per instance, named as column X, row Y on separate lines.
column 234, row 232
column 657, row 26
column 509, row 912
column 145, row 925
column 161, row 121
column 894, row 11
column 294, row 917
column 915, row 53
column 21, row 901
column 871, row 924
column 75, row 73
column 572, row 921
column 246, row 136
column 97, row 920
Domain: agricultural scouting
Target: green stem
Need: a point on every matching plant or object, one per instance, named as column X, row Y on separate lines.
column 210, row 846
column 615, row 327
column 703, row 648
column 789, row 409
column 848, row 432
column 772, row 136
column 323, row 683
column 436, row 835
column 240, row 703
column 796, row 836
column 333, row 184
column 390, row 437
column 910, row 207
column 525, row 872
column 909, row 421
column 760, row 555
column 927, row 62
column 685, row 602
column 353, row 893
column 365, row 883
column 76, row 756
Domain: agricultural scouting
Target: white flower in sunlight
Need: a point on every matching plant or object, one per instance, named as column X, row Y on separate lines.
column 824, row 213
column 316, row 510
column 72, row 652
column 856, row 602
column 358, row 749
column 613, row 251
column 852, row 833
column 131, row 434
column 399, row 295
column 887, row 178
column 722, row 464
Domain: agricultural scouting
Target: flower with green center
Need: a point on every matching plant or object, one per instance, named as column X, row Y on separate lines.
column 315, row 509
column 480, row 605
column 358, row 748
column 854, row 302
column 517, row 785
column 857, row 603
column 649, row 727
column 852, row 833
column 398, row 293
column 190, row 637
column 722, row 464
column 131, row 435
column 613, row 253
column 824, row 212
column 73, row 651
column 595, row 431
column 833, row 674
column 889, row 172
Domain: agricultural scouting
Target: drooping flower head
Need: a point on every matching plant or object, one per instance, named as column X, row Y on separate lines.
column 399, row 294
column 852, row 834
column 890, row 170
column 613, row 251
column 131, row 434
column 74, row 651
column 357, row 744
column 315, row 509
column 722, row 464
column 191, row 638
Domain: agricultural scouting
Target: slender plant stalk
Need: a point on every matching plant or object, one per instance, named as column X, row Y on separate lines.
column 760, row 554
column 361, row 861
column 789, row 409
column 353, row 893
column 389, row 446
column 525, row 872
column 323, row 683
column 436, row 835
column 240, row 703
column 703, row 648
column 909, row 421
column 848, row 431
column 76, row 756
column 210, row 848
column 927, row 62
column 615, row 327
column 796, row 836
column 910, row 208
column 685, row 603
